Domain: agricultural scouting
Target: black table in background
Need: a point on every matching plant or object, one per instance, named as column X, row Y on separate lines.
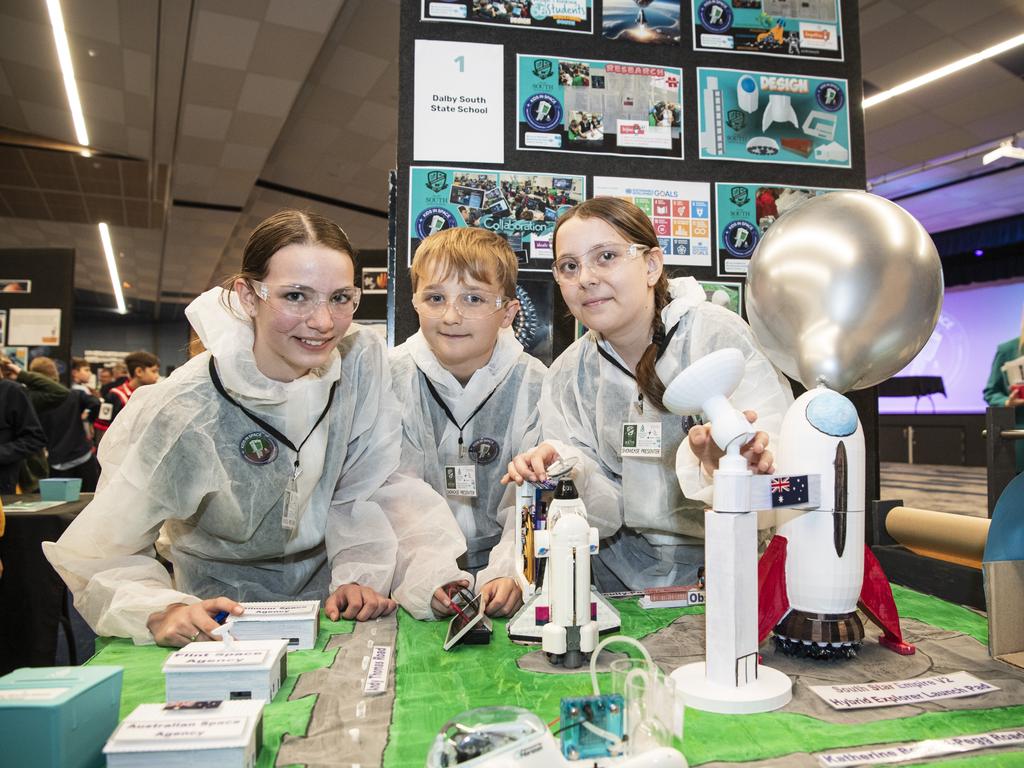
column 32, row 595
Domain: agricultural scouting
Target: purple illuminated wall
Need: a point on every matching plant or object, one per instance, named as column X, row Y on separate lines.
column 974, row 321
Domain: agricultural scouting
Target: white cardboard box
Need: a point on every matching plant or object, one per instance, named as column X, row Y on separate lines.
column 295, row 621
column 248, row 669
column 226, row 734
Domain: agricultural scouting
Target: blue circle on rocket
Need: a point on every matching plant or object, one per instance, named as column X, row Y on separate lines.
column 432, row 220
column 740, row 238
column 832, row 414
column 715, row 16
column 543, row 112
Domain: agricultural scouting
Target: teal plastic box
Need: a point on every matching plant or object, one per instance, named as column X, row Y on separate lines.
column 60, row 488
column 58, row 717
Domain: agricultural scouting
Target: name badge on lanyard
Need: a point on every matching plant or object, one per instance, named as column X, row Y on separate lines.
column 641, row 438
column 460, row 480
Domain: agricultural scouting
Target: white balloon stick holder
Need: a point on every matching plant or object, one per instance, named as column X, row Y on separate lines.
column 731, row 680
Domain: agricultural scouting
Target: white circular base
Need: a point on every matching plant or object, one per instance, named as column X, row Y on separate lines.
column 771, row 690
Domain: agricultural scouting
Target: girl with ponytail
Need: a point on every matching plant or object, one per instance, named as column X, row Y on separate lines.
column 601, row 402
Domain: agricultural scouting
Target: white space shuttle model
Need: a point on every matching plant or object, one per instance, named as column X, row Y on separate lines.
column 554, row 545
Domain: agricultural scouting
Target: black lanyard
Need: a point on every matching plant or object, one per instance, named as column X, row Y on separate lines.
column 223, row 393
column 662, row 346
column 450, row 415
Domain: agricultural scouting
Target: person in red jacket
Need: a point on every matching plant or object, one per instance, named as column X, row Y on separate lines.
column 143, row 368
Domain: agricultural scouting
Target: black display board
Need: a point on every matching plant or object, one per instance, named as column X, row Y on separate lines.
column 594, row 46
column 51, row 274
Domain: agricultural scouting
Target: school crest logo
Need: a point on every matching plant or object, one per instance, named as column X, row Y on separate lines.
column 739, row 196
column 543, row 69
column 437, row 180
column 736, row 119
column 258, row 448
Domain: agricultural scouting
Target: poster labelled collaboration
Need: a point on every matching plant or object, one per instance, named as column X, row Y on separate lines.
column 562, row 15
column 744, row 212
column 810, row 29
column 599, row 107
column 650, row 22
column 767, row 117
column 679, row 210
column 521, row 207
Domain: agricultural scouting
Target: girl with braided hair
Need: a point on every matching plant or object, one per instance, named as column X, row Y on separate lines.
column 601, row 400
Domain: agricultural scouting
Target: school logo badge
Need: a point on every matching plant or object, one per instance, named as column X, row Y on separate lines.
column 739, row 196
column 736, row 119
column 258, row 448
column 484, row 450
column 437, row 180
column 543, row 69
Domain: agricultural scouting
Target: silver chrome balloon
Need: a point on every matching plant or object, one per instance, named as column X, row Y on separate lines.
column 844, row 290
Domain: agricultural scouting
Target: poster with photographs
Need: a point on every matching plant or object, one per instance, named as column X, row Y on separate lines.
column 744, row 212
column 560, row 15
column 808, row 29
column 521, row 207
column 18, row 356
column 374, row 280
column 767, row 117
column 728, row 295
column 679, row 210
column 599, row 107
column 651, row 22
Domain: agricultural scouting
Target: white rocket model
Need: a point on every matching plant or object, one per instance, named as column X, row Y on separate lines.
column 571, row 633
column 817, row 570
column 565, row 613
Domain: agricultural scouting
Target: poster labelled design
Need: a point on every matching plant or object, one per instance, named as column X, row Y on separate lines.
column 679, row 210
column 599, row 107
column 809, row 29
column 647, row 21
column 724, row 294
column 561, row 15
column 744, row 212
column 767, row 117
column 521, row 207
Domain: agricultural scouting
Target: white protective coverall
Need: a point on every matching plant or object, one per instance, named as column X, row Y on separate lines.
column 585, row 402
column 173, row 457
column 506, row 425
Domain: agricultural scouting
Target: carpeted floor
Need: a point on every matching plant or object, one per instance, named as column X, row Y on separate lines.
column 960, row 490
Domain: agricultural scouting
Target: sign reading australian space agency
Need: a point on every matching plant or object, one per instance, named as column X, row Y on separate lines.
column 561, row 15
column 521, row 207
column 599, row 107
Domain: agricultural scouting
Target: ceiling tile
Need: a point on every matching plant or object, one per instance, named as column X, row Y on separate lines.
column 270, row 96
column 205, row 122
column 225, row 41
column 352, row 71
column 138, row 72
column 312, row 15
column 285, row 52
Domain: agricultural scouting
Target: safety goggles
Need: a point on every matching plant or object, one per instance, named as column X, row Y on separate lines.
column 600, row 260
column 301, row 302
column 472, row 305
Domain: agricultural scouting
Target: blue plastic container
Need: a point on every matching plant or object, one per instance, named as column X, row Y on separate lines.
column 60, row 488
column 58, row 717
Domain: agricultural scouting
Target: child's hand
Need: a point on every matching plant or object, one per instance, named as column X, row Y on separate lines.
column 441, row 602
column 531, row 465
column 180, row 624
column 502, row 596
column 759, row 459
column 353, row 601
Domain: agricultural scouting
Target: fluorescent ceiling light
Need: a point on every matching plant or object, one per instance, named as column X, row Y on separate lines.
column 115, row 280
column 941, row 72
column 1006, row 149
column 60, row 37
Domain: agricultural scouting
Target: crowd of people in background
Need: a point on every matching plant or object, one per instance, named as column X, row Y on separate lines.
column 50, row 430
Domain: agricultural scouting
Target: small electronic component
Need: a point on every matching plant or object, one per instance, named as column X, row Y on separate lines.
column 469, row 626
column 592, row 726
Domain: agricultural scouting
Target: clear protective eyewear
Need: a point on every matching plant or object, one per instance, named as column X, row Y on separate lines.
column 472, row 305
column 300, row 301
column 600, row 260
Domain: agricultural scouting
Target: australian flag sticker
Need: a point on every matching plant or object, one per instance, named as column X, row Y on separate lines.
column 787, row 491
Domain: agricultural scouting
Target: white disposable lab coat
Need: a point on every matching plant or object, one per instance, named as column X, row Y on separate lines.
column 653, row 530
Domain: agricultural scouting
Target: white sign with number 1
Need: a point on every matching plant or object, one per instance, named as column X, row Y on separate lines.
column 459, row 110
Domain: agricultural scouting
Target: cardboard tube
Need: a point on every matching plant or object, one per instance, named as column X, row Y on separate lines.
column 944, row 536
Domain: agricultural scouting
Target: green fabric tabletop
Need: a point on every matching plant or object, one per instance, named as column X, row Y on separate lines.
column 432, row 687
